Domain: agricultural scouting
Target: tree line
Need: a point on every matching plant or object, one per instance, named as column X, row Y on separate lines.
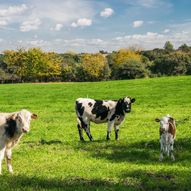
column 35, row 65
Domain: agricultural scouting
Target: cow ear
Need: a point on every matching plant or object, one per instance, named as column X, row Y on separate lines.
column 12, row 117
column 157, row 120
column 171, row 119
column 132, row 100
column 34, row 116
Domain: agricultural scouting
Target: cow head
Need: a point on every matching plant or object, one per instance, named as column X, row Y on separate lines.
column 166, row 122
column 125, row 104
column 22, row 120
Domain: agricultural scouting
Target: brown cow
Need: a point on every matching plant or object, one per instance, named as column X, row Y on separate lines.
column 167, row 132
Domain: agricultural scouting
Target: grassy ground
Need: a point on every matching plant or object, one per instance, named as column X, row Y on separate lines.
column 51, row 157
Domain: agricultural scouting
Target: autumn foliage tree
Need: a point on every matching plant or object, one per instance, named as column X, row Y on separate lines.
column 32, row 64
column 127, row 64
column 35, row 65
column 93, row 67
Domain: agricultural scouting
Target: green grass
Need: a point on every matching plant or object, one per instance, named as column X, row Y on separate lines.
column 51, row 157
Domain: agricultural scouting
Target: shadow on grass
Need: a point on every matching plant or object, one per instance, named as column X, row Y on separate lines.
column 143, row 152
column 74, row 183
column 128, row 180
column 163, row 180
column 43, row 142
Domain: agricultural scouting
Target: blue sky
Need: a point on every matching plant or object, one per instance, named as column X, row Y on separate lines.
column 93, row 25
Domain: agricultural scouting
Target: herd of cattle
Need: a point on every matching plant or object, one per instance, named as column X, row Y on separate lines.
column 113, row 112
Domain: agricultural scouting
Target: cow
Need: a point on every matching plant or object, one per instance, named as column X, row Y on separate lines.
column 167, row 132
column 112, row 112
column 12, row 127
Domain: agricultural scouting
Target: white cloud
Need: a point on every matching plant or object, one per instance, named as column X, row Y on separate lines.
column 63, row 12
column 13, row 10
column 58, row 27
column 37, row 43
column 151, row 40
column 3, row 23
column 57, row 11
column 82, row 22
column 32, row 24
column 149, row 3
column 137, row 23
column 166, row 31
column 12, row 14
column 107, row 12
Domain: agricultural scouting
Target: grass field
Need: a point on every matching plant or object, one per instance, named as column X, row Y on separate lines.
column 51, row 157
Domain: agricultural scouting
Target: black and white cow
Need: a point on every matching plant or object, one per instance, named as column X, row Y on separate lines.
column 101, row 111
column 12, row 128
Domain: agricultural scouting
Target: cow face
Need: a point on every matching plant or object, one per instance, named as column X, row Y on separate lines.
column 126, row 104
column 23, row 119
column 165, row 122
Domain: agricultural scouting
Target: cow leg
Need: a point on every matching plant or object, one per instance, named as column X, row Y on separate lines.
column 109, row 128
column 86, row 127
column 116, row 132
column 2, row 153
column 161, row 150
column 8, row 154
column 161, row 156
column 87, row 130
column 171, row 152
column 80, row 129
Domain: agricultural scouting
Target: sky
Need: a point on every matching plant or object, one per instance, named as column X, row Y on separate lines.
column 93, row 25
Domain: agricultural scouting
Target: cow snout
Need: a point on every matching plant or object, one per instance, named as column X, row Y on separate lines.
column 24, row 130
column 128, row 110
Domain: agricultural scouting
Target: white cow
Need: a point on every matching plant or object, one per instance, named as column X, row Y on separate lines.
column 12, row 127
column 167, row 136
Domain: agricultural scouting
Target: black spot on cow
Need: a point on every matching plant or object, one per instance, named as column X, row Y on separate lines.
column 10, row 127
column 120, row 107
column 100, row 110
column 79, row 108
column 113, row 117
column 90, row 104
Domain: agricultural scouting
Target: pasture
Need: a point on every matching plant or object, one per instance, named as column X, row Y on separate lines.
column 51, row 157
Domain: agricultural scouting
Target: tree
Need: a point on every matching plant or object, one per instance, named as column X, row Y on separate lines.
column 130, row 70
column 70, row 62
column 16, row 62
column 123, row 55
column 128, row 64
column 175, row 63
column 168, row 46
column 93, row 67
column 184, row 48
column 33, row 64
